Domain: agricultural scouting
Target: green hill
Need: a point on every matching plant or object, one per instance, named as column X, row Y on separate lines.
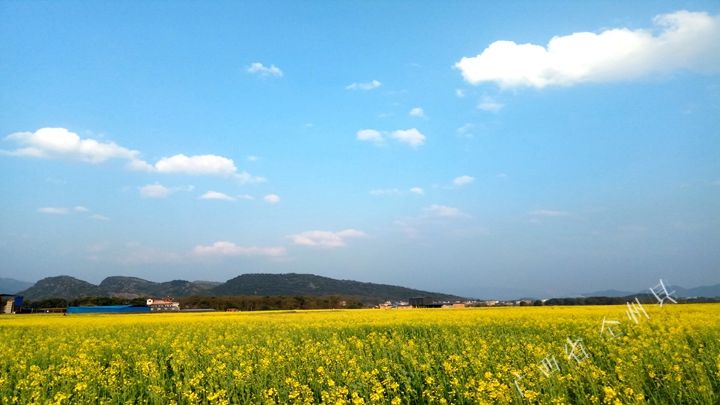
column 312, row 285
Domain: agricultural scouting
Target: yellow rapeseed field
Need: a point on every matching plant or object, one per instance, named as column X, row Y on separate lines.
column 553, row 355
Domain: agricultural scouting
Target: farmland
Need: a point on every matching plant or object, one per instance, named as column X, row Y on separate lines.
column 461, row 356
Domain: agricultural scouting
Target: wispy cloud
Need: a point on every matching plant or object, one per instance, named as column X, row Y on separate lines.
column 76, row 210
column 465, row 131
column 216, row 195
column 326, row 239
column 411, row 137
column 272, row 198
column 490, row 105
column 54, row 210
column 371, row 85
column 259, row 69
column 225, row 248
column 157, row 190
column 444, row 211
column 396, row 191
column 544, row 213
column 417, row 112
column 684, row 40
column 463, row 180
column 154, row 191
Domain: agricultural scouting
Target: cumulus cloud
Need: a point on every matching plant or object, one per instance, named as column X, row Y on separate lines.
column 364, row 86
column 216, row 195
column 225, row 248
column 62, row 143
column 463, row 180
column 681, row 40
column 443, row 211
column 411, row 136
column 417, row 112
column 201, row 164
column 326, row 239
column 154, row 191
column 272, row 199
column 157, row 190
column 417, row 190
column 258, row 68
column 370, row 135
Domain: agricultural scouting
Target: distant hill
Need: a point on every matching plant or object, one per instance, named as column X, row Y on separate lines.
column 708, row 291
column 61, row 287
column 247, row 284
column 309, row 284
column 11, row 286
column 133, row 287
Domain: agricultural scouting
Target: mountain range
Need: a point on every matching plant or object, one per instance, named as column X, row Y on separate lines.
column 291, row 284
column 12, row 286
column 707, row 291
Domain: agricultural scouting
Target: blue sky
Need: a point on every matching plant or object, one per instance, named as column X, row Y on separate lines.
column 479, row 149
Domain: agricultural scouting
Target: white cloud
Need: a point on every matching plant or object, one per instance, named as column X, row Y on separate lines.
column 443, row 211
column 417, row 190
column 417, row 112
column 465, row 131
column 247, row 178
column 550, row 214
column 490, row 105
column 215, row 195
column 463, row 180
column 53, row 210
column 264, row 71
column 210, row 165
column 199, row 165
column 252, row 158
column 364, row 86
column 224, row 248
column 385, row 191
column 247, row 197
column 80, row 208
column 99, row 217
column 325, row 239
column 411, row 136
column 157, row 190
column 62, row 143
column 370, row 135
column 272, row 199
column 460, row 93
column 681, row 40
column 154, row 191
